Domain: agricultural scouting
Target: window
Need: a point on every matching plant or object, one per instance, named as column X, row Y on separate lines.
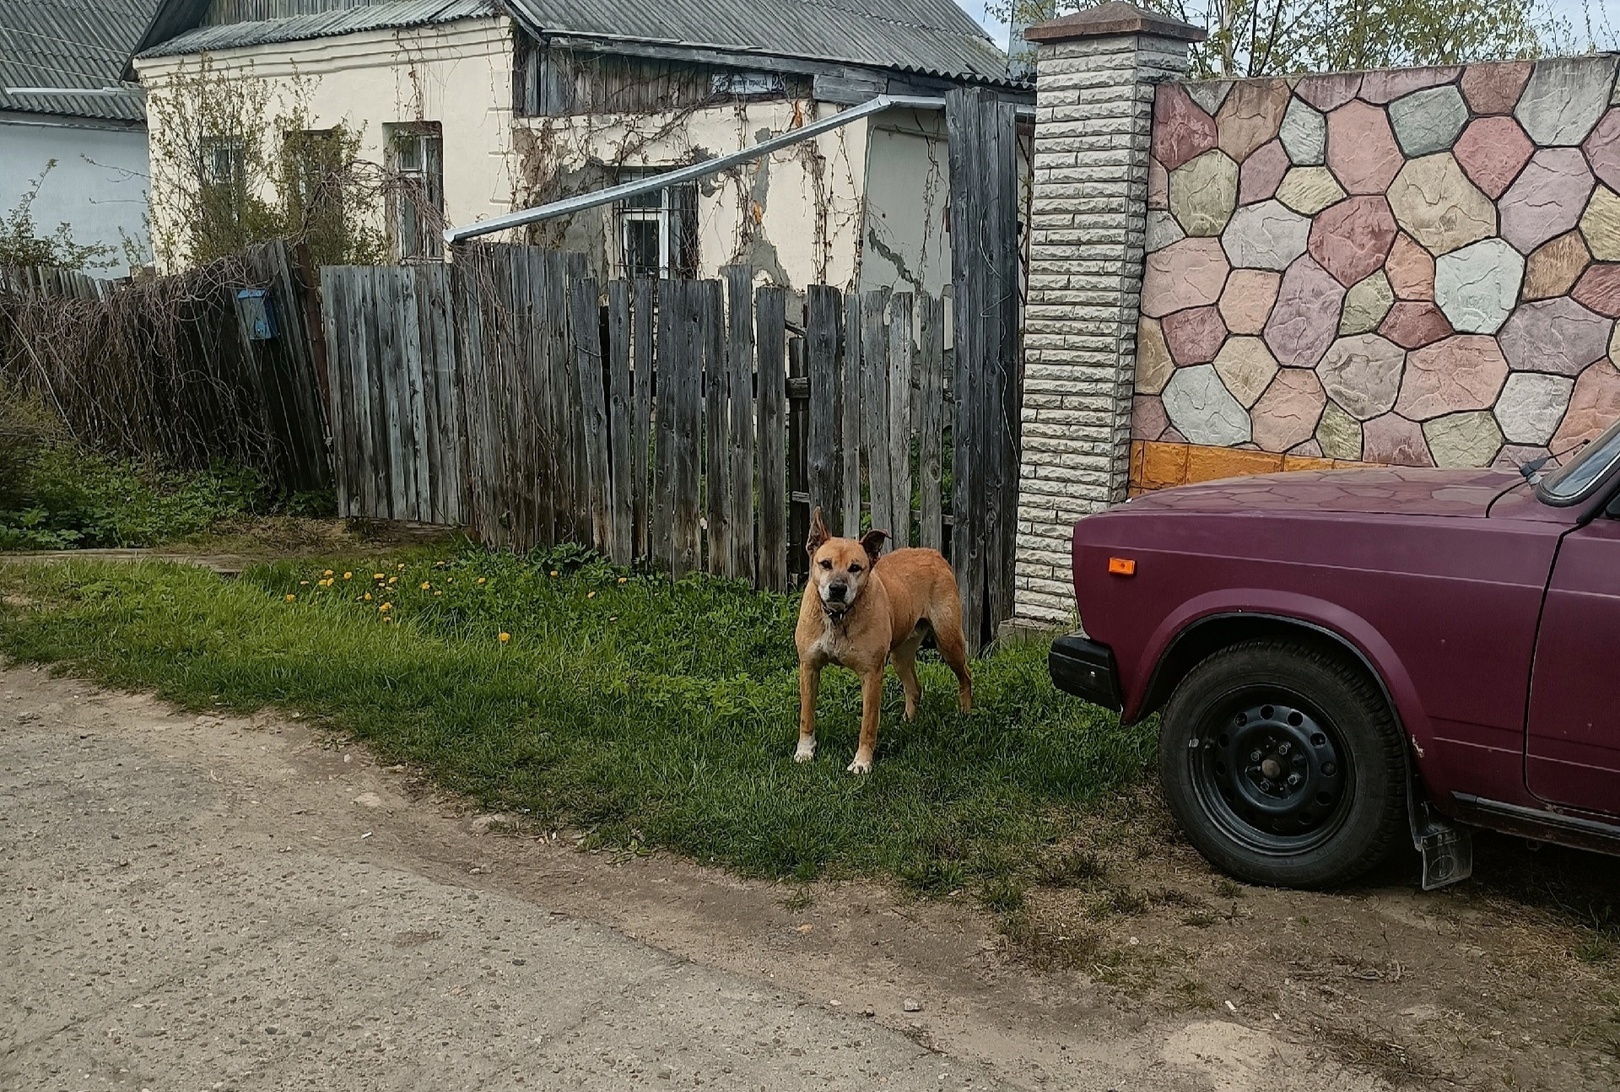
column 658, row 231
column 416, row 157
column 222, row 160
column 314, row 170
column 1586, row 470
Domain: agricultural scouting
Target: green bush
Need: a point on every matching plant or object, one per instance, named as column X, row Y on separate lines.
column 54, row 495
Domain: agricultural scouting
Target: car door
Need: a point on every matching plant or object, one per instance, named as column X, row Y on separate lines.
column 1572, row 747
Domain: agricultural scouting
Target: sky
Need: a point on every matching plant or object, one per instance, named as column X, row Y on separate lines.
column 1605, row 13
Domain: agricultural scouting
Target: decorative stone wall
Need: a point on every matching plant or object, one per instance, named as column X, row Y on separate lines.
column 1417, row 266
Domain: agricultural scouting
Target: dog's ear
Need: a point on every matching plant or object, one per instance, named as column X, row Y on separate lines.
column 872, row 541
column 818, row 533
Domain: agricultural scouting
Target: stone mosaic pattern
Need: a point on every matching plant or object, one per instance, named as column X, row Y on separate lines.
column 1418, row 266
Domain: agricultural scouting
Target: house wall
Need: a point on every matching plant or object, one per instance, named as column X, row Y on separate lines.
column 796, row 215
column 459, row 75
column 1417, row 267
column 905, row 245
column 98, row 185
column 799, row 215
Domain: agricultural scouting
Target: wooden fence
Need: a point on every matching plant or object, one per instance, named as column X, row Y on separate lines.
column 171, row 368
column 693, row 423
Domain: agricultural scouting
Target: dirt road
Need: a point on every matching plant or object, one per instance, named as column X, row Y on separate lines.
column 198, row 903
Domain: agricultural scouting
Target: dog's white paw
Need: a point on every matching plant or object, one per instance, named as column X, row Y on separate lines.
column 860, row 765
column 806, row 751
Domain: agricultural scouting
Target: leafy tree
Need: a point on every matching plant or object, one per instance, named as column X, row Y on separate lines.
column 22, row 244
column 1280, row 37
column 236, row 162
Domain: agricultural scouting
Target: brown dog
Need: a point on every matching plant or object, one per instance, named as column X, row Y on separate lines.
column 858, row 611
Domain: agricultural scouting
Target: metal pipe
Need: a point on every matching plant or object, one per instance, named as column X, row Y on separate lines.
column 580, row 202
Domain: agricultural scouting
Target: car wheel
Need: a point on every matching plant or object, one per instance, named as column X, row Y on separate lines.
column 1282, row 763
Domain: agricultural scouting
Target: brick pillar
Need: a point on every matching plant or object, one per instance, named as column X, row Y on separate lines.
column 1095, row 72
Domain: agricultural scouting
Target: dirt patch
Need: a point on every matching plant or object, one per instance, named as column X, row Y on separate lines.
column 1132, row 966
column 1509, row 980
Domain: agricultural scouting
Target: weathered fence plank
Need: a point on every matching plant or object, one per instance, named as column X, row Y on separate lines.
column 586, row 332
column 671, row 330
column 798, row 491
column 770, row 320
column 716, row 451
column 874, row 390
column 850, row 381
column 824, row 364
column 900, row 425
column 930, row 422
column 621, row 425
column 965, row 136
column 641, row 437
column 444, row 427
column 740, row 423
column 342, row 399
column 686, row 379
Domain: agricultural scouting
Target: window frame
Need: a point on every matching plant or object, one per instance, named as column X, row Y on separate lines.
column 674, row 211
column 426, row 176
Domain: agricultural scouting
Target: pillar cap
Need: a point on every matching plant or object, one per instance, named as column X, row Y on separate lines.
column 1114, row 17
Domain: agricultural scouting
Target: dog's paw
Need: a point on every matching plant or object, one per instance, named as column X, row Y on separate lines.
column 805, row 752
column 860, row 765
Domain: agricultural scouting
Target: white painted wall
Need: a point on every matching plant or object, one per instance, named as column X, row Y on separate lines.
column 795, row 215
column 904, row 242
column 98, row 185
column 459, row 75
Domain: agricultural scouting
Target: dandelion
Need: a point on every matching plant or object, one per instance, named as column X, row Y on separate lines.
column 402, row 564
column 291, row 598
column 590, row 595
column 348, row 576
column 393, row 580
column 328, row 572
column 553, row 572
column 376, row 576
column 505, row 637
column 426, row 585
column 385, row 608
column 438, row 593
column 303, row 583
column 480, row 580
column 624, row 579
column 368, row 597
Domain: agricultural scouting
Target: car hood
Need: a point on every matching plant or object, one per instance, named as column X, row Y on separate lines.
column 1395, row 490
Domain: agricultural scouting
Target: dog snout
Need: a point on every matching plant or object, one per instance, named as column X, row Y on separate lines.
column 837, row 590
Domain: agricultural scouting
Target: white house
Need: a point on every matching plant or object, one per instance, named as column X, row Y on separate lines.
column 485, row 107
column 69, row 127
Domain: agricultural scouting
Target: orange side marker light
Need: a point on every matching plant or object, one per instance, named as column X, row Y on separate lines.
column 1122, row 566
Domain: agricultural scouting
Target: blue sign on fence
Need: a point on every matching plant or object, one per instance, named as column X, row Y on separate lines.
column 258, row 311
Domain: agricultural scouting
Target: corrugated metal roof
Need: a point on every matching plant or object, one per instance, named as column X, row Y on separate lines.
column 75, row 45
column 326, row 24
column 935, row 37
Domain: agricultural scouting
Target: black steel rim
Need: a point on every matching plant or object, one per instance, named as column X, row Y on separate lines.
column 1272, row 772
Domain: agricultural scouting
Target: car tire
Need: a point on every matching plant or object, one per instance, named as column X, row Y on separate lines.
column 1283, row 764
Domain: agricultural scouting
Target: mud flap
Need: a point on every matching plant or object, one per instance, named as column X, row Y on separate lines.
column 1447, row 849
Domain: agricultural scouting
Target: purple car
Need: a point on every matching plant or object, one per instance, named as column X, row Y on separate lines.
column 1343, row 658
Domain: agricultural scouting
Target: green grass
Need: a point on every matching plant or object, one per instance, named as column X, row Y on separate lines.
column 649, row 713
column 61, row 496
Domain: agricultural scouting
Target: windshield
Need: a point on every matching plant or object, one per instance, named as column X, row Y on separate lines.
column 1576, row 479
